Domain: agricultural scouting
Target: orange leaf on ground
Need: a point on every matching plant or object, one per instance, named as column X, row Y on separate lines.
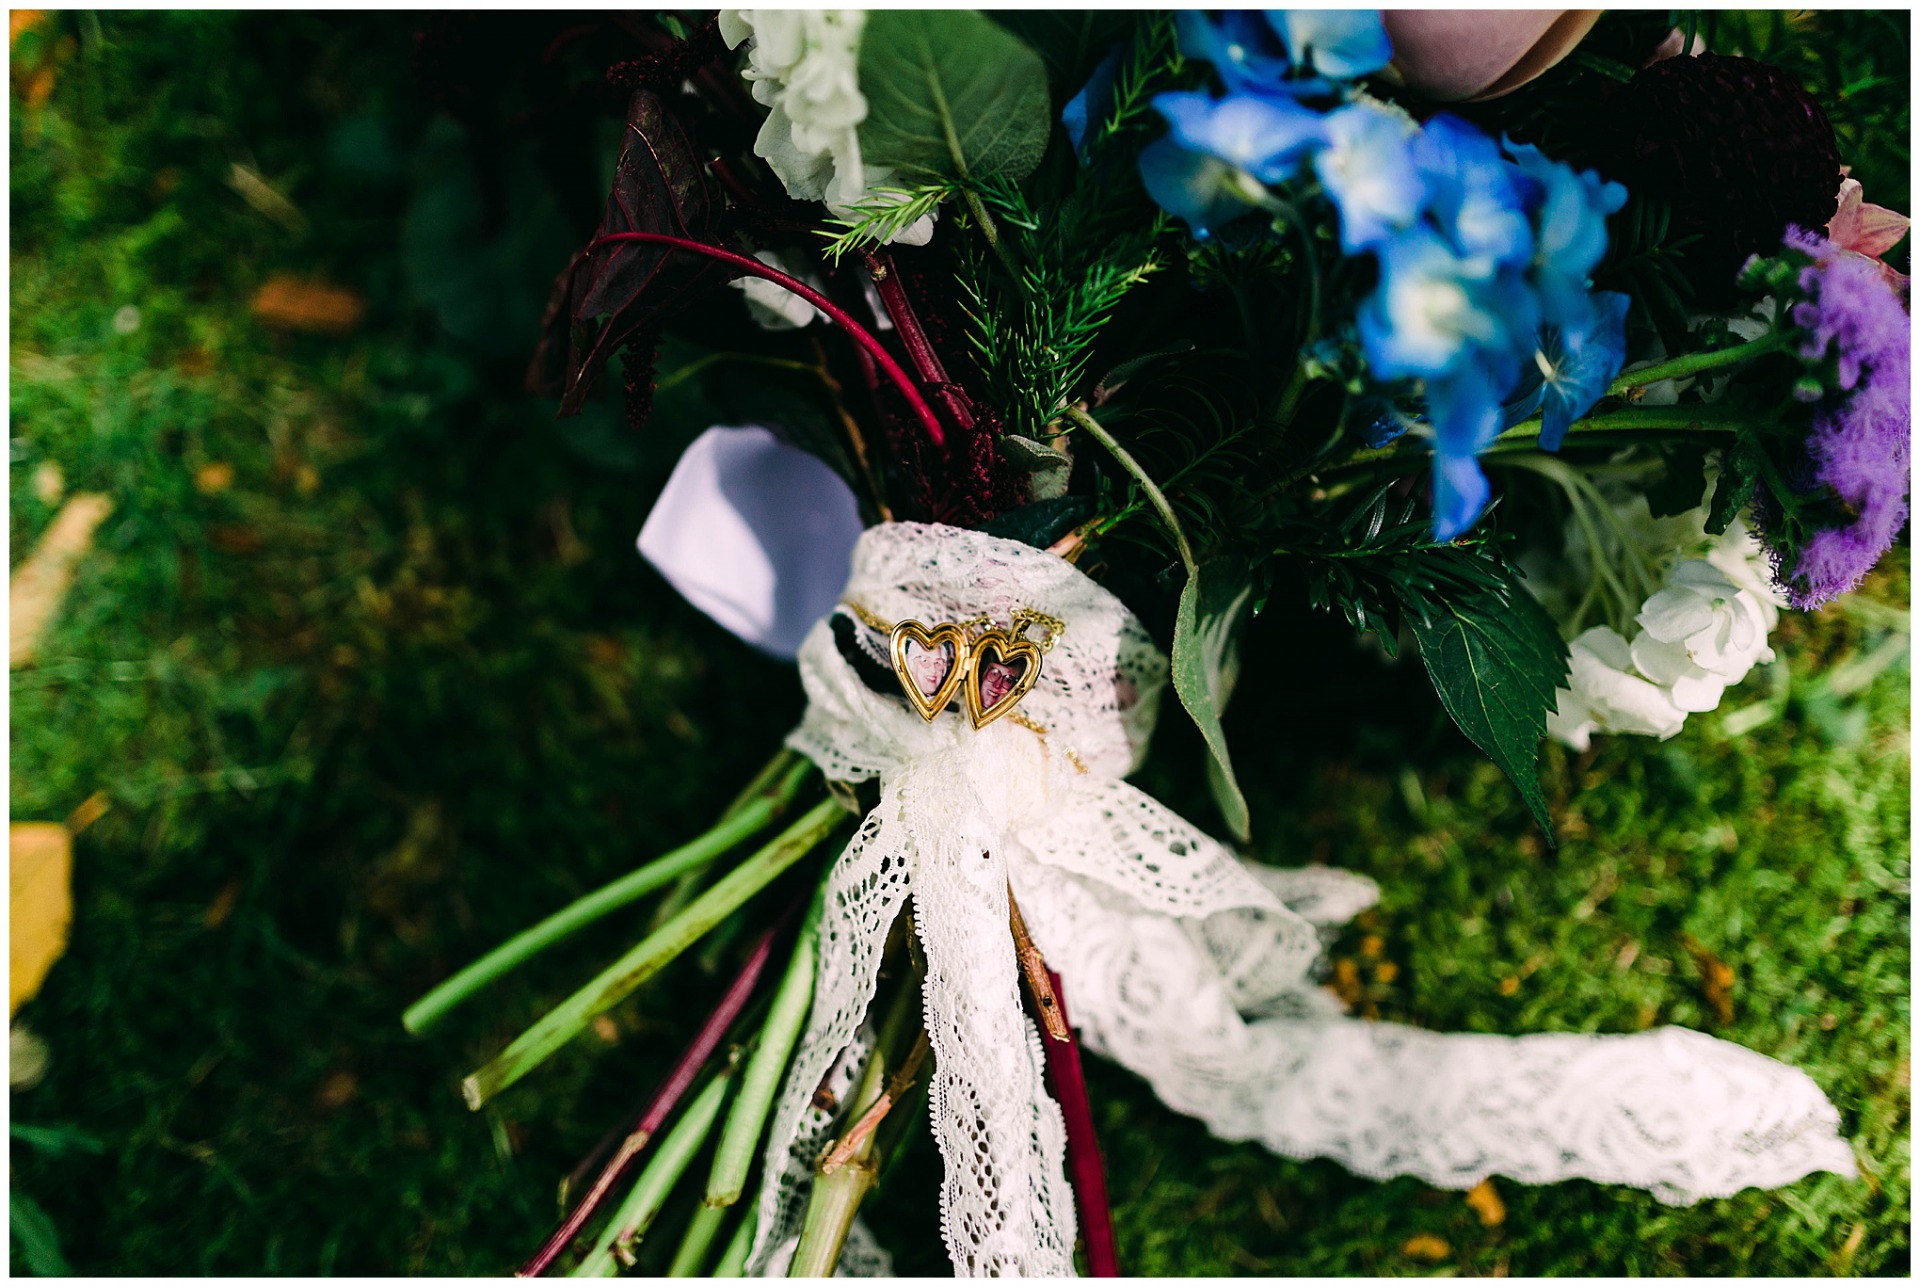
column 40, row 582
column 39, row 904
column 1486, row 1203
column 302, row 305
column 19, row 20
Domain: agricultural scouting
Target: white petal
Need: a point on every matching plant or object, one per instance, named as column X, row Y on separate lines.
column 756, row 534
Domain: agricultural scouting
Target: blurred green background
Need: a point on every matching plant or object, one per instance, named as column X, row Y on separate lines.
column 367, row 672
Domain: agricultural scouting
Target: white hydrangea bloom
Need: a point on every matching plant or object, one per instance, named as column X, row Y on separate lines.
column 1608, row 695
column 773, row 306
column 804, row 66
column 1718, row 627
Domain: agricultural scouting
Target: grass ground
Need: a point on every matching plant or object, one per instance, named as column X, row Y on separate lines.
column 369, row 675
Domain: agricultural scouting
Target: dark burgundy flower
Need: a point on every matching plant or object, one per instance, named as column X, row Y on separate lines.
column 1737, row 146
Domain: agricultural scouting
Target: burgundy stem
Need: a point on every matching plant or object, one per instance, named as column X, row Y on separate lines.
column 906, row 324
column 1068, row 1084
column 665, row 1100
column 839, row 316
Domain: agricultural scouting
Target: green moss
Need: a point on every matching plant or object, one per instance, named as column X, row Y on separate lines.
column 403, row 685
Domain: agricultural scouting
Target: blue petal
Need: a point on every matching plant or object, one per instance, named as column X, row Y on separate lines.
column 1585, row 361
column 1094, row 96
column 1367, row 168
column 1242, row 48
column 1265, row 136
column 1192, row 186
column 1460, row 495
column 1466, row 419
column 1480, row 199
column 1344, row 43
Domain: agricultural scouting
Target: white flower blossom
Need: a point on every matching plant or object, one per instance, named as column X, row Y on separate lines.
column 1608, row 696
column 1719, row 627
column 804, row 66
column 773, row 306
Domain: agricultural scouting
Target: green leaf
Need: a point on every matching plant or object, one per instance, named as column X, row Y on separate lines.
column 951, row 94
column 1738, row 474
column 1206, row 630
column 1495, row 658
column 38, row 1240
column 1070, row 42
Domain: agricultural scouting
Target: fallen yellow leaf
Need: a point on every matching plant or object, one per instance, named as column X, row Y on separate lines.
column 40, row 582
column 213, row 478
column 1486, row 1203
column 296, row 305
column 19, row 20
column 39, row 903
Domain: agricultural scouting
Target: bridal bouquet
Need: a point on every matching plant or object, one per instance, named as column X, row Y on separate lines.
column 1559, row 352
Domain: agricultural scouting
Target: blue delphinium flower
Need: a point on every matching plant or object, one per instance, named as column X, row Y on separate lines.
column 1203, row 190
column 1571, row 220
column 1479, row 201
column 1242, row 46
column 1367, row 167
column 1436, row 312
column 1095, row 98
column 1347, row 43
column 1579, row 361
column 1266, row 137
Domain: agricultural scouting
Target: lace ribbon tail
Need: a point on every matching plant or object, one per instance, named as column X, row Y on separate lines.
column 1676, row 1112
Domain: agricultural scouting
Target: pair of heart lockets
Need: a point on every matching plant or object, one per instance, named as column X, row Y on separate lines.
column 991, row 668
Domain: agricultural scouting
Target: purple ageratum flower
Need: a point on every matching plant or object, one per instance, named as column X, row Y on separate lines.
column 1861, row 444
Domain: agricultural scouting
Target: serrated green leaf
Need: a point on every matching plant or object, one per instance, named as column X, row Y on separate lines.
column 951, row 94
column 1733, row 491
column 1206, row 632
column 1495, row 660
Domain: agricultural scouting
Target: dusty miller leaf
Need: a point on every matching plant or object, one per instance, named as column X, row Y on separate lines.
column 951, row 94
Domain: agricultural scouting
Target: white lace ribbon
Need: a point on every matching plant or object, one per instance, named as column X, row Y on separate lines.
column 1180, row 962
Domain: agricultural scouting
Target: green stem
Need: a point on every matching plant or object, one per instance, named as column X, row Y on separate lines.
column 701, row 1231
column 758, row 1085
column 733, row 1261
column 836, row 1195
column 1694, row 363
column 740, row 823
column 1158, row 498
column 650, row 1191
column 1290, row 396
column 991, row 231
column 769, row 777
column 617, row 981
column 1627, row 424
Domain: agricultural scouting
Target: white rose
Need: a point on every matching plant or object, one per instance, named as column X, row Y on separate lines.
column 1605, row 695
column 1721, row 627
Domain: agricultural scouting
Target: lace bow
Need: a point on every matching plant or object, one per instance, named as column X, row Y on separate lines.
column 1180, row 961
